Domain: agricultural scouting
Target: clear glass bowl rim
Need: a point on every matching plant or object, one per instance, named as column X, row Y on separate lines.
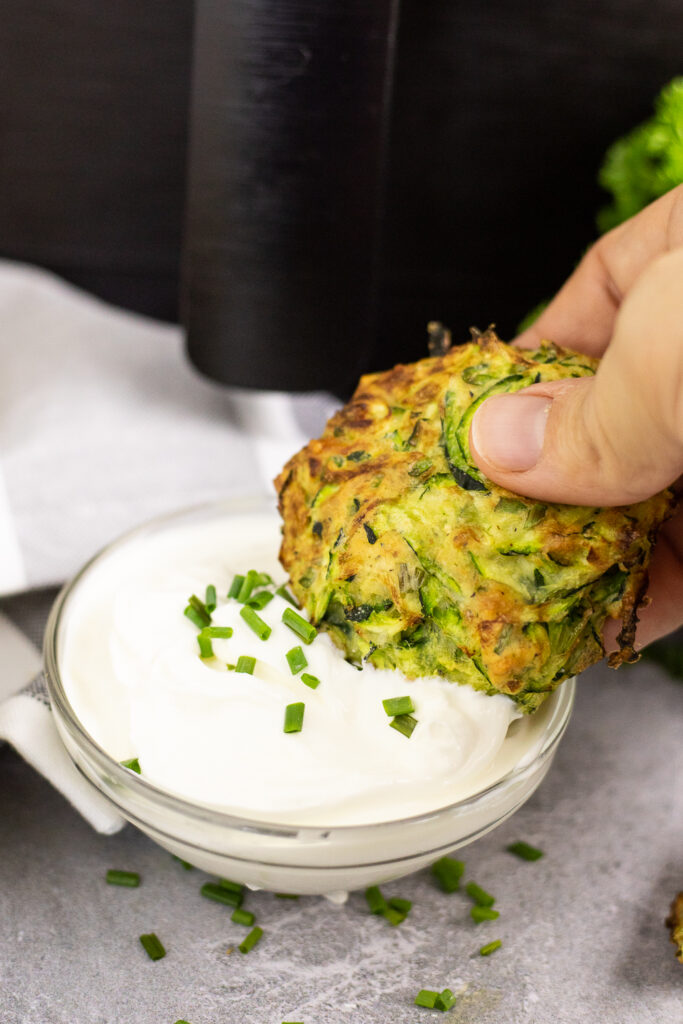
column 140, row 787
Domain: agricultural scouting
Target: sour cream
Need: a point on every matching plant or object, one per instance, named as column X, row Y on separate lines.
column 131, row 669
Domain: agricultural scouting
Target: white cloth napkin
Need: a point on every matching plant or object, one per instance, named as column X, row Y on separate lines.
column 103, row 424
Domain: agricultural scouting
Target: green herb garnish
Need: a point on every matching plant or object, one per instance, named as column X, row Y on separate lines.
column 226, row 883
column 425, row 997
column 294, row 717
column 375, row 900
column 236, row 586
column 248, row 584
column 398, row 706
column 405, row 724
column 218, row 632
column 243, row 917
column 217, row 892
column 448, row 873
column 303, row 629
column 130, row 879
column 252, row 938
column 286, row 896
column 133, row 765
column 480, row 914
column 296, row 659
column 259, row 600
column 152, row 946
column 479, row 895
column 490, row 947
column 246, row 664
column 210, row 600
column 255, row 622
column 200, row 609
column 205, row 645
column 311, row 681
column 285, row 594
column 525, row 851
column 185, row 864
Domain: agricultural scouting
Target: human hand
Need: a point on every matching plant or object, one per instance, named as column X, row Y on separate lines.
column 615, row 438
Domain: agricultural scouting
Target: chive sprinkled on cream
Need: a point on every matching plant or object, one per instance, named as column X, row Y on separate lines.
column 299, row 625
column 200, row 608
column 218, row 632
column 398, row 706
column 255, row 622
column 308, row 680
column 448, row 873
column 152, row 946
column 525, row 851
column 252, row 938
column 480, row 914
column 294, row 717
column 205, row 645
column 405, row 724
column 296, row 659
column 217, row 892
column 193, row 615
column 285, row 594
column 490, row 947
column 210, row 600
column 248, row 584
column 244, row 917
column 129, row 879
column 480, row 896
column 235, row 586
column 259, row 600
column 246, row 664
column 133, row 765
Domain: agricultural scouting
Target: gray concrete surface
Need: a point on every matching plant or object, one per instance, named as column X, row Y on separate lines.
column 582, row 929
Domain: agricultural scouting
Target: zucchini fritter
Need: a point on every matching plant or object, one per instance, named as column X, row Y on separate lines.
column 410, row 558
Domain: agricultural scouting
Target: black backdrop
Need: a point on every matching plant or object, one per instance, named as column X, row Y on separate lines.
column 501, row 114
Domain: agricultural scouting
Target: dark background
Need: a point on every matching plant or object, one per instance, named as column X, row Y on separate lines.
column 501, row 115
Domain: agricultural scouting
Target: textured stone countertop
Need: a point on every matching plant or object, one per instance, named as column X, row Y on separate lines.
column 582, row 929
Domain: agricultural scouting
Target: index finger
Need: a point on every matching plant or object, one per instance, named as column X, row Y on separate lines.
column 582, row 314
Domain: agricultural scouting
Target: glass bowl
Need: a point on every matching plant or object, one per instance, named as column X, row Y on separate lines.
column 284, row 857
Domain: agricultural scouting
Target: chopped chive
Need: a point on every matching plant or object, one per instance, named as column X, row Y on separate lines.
column 200, row 608
column 252, row 938
column 425, row 997
column 525, row 851
column 255, row 622
column 260, row 600
column 152, row 946
column 490, row 947
column 480, row 914
column 398, row 706
column 393, row 916
column 248, row 584
column 133, row 765
column 375, row 900
column 220, row 894
column 294, row 717
column 286, row 896
column 299, row 625
column 284, row 593
column 448, row 873
column 225, row 883
column 403, row 906
column 480, row 896
column 243, row 917
column 296, row 659
column 183, row 863
column 218, row 632
column 127, row 878
column 245, row 663
column 308, row 680
column 236, row 586
column 199, row 620
column 404, row 724
column 445, row 1000
column 205, row 645
column 263, row 579
column 210, row 600
column 182, row 1022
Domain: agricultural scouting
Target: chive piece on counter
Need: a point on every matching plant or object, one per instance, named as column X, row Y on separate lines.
column 403, row 906
column 308, row 680
column 245, row 663
column 260, row 600
column 226, row 883
column 296, row 659
column 194, row 617
column 133, row 765
column 218, row 893
column 255, row 622
column 248, row 584
column 286, row 896
column 243, row 917
column 480, row 914
column 299, row 625
column 525, row 851
column 284, row 593
column 185, row 864
column 200, row 608
column 448, row 873
column 490, row 947
column 210, row 600
column 480, row 896
column 445, row 1000
column 205, row 645
column 294, row 717
column 398, row 706
column 218, row 632
column 375, row 900
column 405, row 724
column 252, row 938
column 425, row 997
column 236, row 586
column 393, row 916
column 152, row 946
column 182, row 1022
column 131, row 879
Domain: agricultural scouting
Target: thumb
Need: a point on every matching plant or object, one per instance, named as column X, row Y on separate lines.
column 612, row 439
